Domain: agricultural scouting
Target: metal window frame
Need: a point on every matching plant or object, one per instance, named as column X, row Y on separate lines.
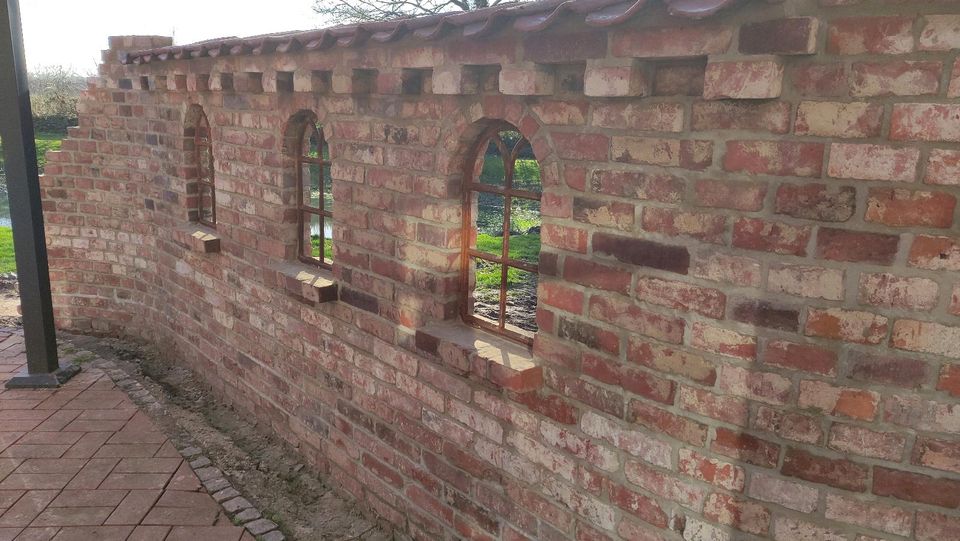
column 304, row 211
column 473, row 186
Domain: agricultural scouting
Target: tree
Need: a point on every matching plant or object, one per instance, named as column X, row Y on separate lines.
column 54, row 93
column 360, row 11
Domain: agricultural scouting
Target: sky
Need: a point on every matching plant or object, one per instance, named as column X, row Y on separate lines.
column 72, row 33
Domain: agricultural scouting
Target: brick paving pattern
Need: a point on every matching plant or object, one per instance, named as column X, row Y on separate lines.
column 82, row 462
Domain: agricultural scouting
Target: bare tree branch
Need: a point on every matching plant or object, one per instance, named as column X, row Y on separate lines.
column 358, row 11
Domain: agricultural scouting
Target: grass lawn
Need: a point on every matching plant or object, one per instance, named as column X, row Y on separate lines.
column 525, row 247
column 44, row 142
column 7, row 262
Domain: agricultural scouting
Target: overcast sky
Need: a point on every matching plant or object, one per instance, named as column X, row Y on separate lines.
column 73, row 32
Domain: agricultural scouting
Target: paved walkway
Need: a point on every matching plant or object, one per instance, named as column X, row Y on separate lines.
column 83, row 463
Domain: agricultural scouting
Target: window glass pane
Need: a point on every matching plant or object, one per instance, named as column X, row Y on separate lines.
column 310, row 176
column 312, row 240
column 488, row 216
column 526, row 170
column 492, row 170
column 325, row 150
column 485, row 299
column 521, row 299
column 328, row 241
column 525, row 230
column 327, row 189
column 311, row 142
column 205, row 204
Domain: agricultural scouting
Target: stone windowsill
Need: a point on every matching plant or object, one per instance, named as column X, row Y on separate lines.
column 198, row 238
column 481, row 354
column 307, row 282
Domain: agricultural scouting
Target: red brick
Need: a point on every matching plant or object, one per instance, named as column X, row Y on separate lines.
column 835, row 472
column 729, row 409
column 746, row 196
column 791, row 426
column 582, row 146
column 935, row 253
column 723, row 341
column 676, row 426
column 925, row 122
column 671, row 361
column 838, row 119
column 804, row 281
column 822, row 80
column 759, row 386
column 596, row 275
column 903, row 208
column 672, row 42
column 936, row 527
column 949, row 379
column 679, row 78
column 805, row 357
column 937, row 454
column 793, row 35
column 766, row 314
column 743, row 79
column 869, row 514
column 856, row 246
column 665, row 117
column 773, row 116
column 879, row 35
column 710, row 470
column 782, row 158
column 716, row 266
column 589, row 335
column 873, row 162
column 673, row 222
column 887, row 370
column 861, row 441
column 638, row 185
column 916, row 487
column 626, row 314
column 926, row 337
column 847, row 325
column 558, row 295
column 637, row 504
column 816, row 202
column 566, row 238
column 850, row 402
column 943, row 167
column 742, row 446
column 789, row 494
column 680, row 296
column 603, row 213
column 883, row 289
column 741, row 514
column 776, row 237
column 642, row 252
column 902, row 78
column 940, row 33
column 684, row 153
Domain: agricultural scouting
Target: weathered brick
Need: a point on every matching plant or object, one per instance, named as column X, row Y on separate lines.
column 901, row 78
column 838, row 119
column 710, row 470
column 943, row 167
column 789, row 494
column 861, row 441
column 926, row 337
column 681, row 296
column 925, row 122
column 791, row 426
column 664, row 486
column 936, row 526
column 729, row 409
column 766, row 387
column 640, row 185
column 782, row 158
column 741, row 514
column 849, row 402
column 604, row 213
column 879, row 35
column 873, row 162
column 776, row 237
column 582, row 146
column 626, row 314
column 823, row 80
column 936, row 453
column 766, row 314
column 904, row 208
column 589, row 273
column 743, row 79
column 723, row 341
column 949, row 379
column 745, row 447
column 884, row 289
column 804, row 281
column 940, row 33
column 671, row 361
column 666, row 117
column 746, row 196
column 719, row 267
column 869, row 514
column 847, row 325
column 661, row 420
column 935, row 253
column 773, row 116
column 670, row 42
column 688, row 154
column 855, row 246
column 886, row 369
column 673, row 222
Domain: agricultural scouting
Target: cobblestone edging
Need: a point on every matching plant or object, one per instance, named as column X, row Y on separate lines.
column 238, row 508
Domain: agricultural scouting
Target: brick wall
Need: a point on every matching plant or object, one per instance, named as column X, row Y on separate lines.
column 749, row 303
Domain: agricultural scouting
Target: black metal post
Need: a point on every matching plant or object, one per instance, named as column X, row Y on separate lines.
column 26, row 214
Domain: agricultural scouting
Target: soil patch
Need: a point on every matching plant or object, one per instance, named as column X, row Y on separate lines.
column 264, row 469
column 9, row 301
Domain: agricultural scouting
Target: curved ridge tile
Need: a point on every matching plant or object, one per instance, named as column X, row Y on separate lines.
column 696, row 9
column 615, row 14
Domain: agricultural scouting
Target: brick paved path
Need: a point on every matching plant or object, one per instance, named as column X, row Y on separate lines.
column 81, row 462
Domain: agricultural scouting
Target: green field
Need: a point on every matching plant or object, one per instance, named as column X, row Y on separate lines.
column 44, row 142
column 7, row 263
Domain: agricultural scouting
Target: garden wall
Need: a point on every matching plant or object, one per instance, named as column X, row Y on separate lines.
column 749, row 310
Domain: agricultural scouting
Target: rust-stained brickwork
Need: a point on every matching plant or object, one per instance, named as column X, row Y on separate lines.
column 749, row 303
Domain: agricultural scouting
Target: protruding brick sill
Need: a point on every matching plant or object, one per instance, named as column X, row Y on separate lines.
column 309, row 283
column 198, row 238
column 481, row 354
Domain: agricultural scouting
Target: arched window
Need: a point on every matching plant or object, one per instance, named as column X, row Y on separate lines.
column 501, row 235
column 314, row 197
column 206, row 194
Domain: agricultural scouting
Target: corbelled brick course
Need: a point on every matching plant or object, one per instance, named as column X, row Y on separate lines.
column 749, row 303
